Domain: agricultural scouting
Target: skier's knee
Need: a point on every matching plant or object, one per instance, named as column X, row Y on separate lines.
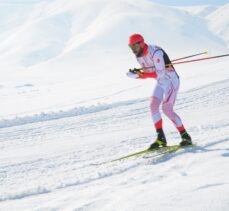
column 154, row 104
column 167, row 109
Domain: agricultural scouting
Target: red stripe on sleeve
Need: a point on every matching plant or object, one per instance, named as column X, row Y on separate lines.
column 148, row 75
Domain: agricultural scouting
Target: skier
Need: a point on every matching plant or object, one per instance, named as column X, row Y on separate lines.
column 165, row 91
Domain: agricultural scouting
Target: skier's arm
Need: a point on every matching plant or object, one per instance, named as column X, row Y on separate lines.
column 159, row 63
column 137, row 74
column 145, row 75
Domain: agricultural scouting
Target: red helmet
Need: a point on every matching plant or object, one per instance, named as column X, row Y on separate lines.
column 134, row 38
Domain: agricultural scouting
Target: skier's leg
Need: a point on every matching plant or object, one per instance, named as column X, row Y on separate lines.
column 167, row 107
column 155, row 102
column 170, row 95
column 155, row 113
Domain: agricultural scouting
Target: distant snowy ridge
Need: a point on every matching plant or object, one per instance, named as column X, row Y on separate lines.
column 218, row 22
column 202, row 11
column 65, row 31
column 52, row 115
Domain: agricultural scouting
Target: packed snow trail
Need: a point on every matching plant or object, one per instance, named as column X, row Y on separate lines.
column 48, row 165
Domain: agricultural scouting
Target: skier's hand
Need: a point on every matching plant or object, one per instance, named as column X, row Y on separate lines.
column 136, row 71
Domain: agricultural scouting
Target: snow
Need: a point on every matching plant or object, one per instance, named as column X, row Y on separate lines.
column 66, row 104
column 218, row 22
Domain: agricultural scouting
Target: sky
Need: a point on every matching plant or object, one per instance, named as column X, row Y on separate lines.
column 167, row 2
column 192, row 2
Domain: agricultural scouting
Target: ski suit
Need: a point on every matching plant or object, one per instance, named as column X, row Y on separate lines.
column 166, row 89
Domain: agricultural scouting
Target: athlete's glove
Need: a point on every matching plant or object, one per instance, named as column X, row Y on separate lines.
column 138, row 74
column 135, row 71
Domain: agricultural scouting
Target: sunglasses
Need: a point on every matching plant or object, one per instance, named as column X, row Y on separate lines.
column 135, row 45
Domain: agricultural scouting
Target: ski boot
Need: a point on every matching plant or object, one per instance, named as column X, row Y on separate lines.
column 186, row 138
column 160, row 141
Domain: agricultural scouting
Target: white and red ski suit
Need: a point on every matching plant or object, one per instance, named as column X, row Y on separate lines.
column 166, row 89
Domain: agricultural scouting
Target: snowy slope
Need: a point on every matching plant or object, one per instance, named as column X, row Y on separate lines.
column 67, row 104
column 48, row 165
column 219, row 22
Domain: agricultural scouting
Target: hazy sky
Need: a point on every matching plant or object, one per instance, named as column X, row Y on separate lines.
column 191, row 2
column 166, row 2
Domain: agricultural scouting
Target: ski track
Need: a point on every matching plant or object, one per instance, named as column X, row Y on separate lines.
column 72, row 167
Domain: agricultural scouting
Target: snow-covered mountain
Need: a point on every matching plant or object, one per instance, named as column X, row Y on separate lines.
column 66, row 103
column 219, row 23
column 63, row 30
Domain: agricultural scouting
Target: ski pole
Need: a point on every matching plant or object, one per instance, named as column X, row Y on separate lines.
column 201, row 59
column 190, row 56
column 188, row 61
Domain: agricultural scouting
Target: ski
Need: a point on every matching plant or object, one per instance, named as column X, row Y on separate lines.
column 168, row 149
column 129, row 156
